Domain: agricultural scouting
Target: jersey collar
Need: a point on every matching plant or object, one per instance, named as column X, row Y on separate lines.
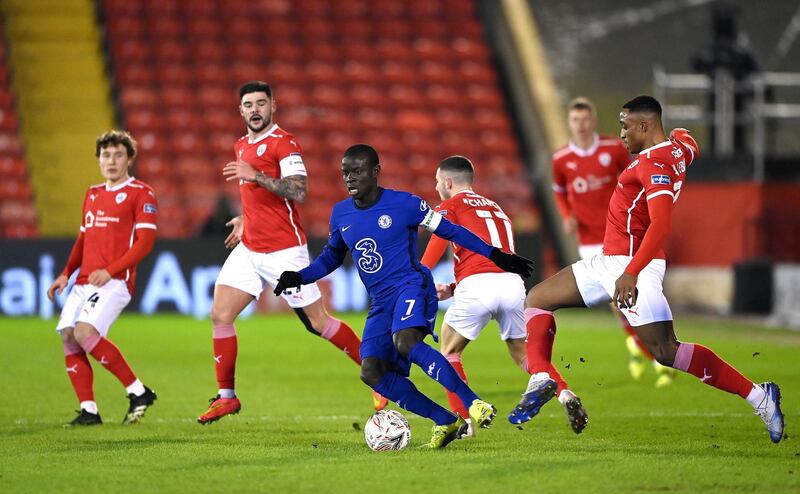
column 587, row 152
column 465, row 191
column 652, row 148
column 119, row 186
column 264, row 135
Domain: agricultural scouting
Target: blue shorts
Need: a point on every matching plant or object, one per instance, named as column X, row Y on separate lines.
column 411, row 307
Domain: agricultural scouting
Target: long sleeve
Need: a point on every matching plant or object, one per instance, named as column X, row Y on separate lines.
column 434, row 251
column 461, row 236
column 331, row 258
column 660, row 211
column 145, row 240
column 75, row 256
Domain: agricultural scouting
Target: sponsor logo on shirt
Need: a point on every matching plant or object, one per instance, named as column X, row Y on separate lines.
column 660, row 179
column 150, row 208
column 121, row 197
column 261, row 149
column 385, row 221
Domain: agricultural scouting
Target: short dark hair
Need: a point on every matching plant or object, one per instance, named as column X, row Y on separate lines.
column 115, row 138
column 582, row 103
column 643, row 104
column 362, row 151
column 254, row 87
column 458, row 164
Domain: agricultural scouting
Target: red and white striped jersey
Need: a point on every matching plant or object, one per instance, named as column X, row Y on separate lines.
column 484, row 218
column 658, row 170
column 111, row 217
column 271, row 222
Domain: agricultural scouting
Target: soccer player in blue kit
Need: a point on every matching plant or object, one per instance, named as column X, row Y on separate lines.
column 379, row 227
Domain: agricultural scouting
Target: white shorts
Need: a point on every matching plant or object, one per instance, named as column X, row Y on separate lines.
column 98, row 306
column 596, row 278
column 590, row 250
column 250, row 271
column 481, row 297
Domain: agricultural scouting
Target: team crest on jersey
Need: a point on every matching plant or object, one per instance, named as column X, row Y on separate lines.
column 260, row 149
column 660, row 179
column 121, row 197
column 604, row 159
column 385, row 221
column 677, row 152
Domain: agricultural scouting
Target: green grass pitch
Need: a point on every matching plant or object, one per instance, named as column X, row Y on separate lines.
column 303, row 409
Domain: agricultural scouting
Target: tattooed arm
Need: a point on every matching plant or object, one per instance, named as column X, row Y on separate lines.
column 293, row 187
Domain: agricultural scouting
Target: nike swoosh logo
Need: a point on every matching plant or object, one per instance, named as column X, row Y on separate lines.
column 344, row 228
column 406, row 317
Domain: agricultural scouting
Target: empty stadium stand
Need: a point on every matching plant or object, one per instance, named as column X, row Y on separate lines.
column 17, row 210
column 414, row 78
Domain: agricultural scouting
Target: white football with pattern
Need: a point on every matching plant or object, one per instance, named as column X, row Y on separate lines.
column 387, row 430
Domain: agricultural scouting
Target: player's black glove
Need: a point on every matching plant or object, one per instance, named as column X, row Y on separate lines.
column 288, row 279
column 512, row 262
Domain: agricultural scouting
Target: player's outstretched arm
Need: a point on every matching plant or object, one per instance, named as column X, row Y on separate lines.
column 512, row 263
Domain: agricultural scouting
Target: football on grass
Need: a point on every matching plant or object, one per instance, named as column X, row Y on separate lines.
column 387, row 430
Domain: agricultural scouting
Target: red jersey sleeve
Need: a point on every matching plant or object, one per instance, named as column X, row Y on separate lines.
column 76, row 254
column 560, row 190
column 289, row 156
column 436, row 245
column 146, row 207
column 658, row 184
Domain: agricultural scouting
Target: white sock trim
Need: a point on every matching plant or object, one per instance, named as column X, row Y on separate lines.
column 565, row 395
column 136, row 388
column 227, row 393
column 89, row 406
column 756, row 396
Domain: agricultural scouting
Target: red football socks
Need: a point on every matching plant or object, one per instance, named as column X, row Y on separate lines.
column 110, row 357
column 456, row 405
column 541, row 333
column 711, row 369
column 79, row 371
column 342, row 337
column 226, row 348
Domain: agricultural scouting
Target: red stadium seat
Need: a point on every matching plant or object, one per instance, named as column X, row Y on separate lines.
column 171, row 51
column 12, row 167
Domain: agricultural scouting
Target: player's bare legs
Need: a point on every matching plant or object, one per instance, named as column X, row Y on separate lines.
column 84, row 339
column 640, row 354
column 317, row 320
column 703, row 363
column 228, row 303
column 556, row 292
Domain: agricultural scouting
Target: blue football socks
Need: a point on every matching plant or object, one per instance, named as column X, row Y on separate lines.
column 439, row 369
column 403, row 392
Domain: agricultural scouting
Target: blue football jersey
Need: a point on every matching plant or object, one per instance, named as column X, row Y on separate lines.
column 382, row 239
